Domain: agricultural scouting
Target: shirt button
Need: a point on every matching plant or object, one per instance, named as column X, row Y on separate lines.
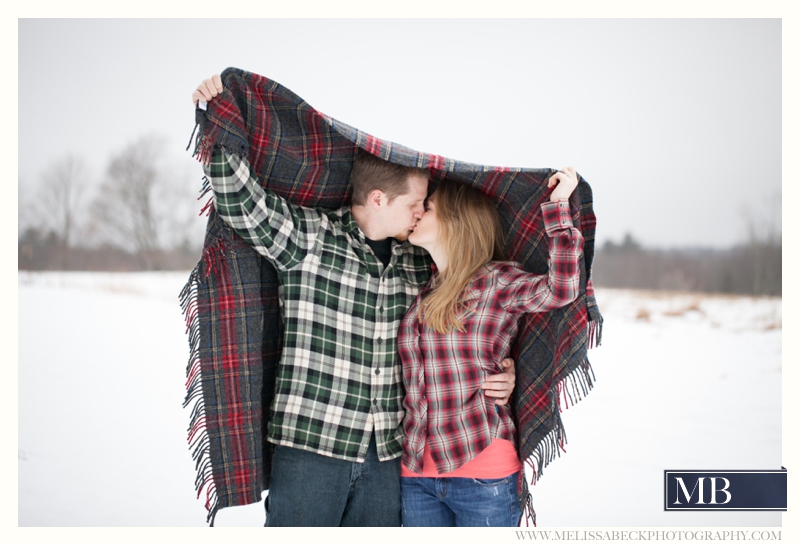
column 377, row 371
column 380, row 309
column 380, row 340
column 375, row 401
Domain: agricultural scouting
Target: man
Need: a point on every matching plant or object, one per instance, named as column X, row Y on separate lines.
column 347, row 278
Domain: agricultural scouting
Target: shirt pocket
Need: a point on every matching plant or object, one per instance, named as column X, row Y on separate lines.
column 336, row 260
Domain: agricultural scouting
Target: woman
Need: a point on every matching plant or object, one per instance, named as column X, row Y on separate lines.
column 460, row 466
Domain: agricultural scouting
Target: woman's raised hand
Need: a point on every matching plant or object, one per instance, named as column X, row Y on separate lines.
column 565, row 182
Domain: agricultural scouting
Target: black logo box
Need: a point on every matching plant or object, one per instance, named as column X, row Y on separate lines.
column 725, row 490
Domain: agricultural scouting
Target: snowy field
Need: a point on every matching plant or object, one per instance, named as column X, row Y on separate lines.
column 683, row 382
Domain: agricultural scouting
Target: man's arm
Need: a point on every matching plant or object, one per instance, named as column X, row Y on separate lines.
column 278, row 230
column 501, row 385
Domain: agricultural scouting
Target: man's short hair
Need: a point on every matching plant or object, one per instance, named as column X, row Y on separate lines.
column 371, row 172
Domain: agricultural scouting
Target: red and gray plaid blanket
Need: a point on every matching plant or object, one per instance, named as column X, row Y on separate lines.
column 231, row 299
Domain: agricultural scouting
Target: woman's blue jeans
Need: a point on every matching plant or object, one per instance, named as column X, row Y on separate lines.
column 460, row 501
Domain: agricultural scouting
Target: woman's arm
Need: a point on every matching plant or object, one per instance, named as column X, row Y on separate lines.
column 520, row 291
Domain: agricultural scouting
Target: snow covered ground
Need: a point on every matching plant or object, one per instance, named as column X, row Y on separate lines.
column 683, row 382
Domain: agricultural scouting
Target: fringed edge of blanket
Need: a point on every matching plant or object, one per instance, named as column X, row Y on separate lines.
column 595, row 321
column 525, row 499
column 198, row 437
column 568, row 391
column 199, row 443
column 207, row 134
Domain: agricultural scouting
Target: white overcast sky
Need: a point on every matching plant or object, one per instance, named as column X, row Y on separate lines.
column 676, row 123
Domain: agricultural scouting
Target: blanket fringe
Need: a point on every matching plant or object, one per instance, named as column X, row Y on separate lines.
column 575, row 386
column 528, row 512
column 204, row 134
column 199, row 443
column 214, row 256
column 207, row 207
column 206, row 187
column 194, row 131
column 595, row 333
column 204, row 190
column 207, row 134
column 525, row 501
column 569, row 390
column 545, row 452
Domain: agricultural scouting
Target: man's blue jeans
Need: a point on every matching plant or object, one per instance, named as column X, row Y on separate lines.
column 431, row 501
column 309, row 489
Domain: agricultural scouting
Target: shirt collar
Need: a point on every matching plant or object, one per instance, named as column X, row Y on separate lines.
column 350, row 225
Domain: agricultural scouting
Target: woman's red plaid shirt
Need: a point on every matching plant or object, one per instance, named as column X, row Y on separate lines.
column 444, row 402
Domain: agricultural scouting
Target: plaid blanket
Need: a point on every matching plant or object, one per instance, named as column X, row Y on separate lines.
column 230, row 301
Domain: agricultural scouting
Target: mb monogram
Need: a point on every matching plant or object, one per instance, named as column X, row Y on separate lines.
column 727, row 490
column 699, row 487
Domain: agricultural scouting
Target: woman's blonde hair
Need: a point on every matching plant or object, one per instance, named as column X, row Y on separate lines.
column 471, row 235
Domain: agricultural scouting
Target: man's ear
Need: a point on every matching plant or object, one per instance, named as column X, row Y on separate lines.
column 376, row 198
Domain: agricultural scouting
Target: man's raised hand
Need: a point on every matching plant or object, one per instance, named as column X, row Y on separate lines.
column 208, row 89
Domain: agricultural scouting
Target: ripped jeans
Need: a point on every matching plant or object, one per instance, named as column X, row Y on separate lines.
column 460, row 501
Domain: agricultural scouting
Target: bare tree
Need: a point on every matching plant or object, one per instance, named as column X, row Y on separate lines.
column 762, row 221
column 56, row 203
column 142, row 206
column 123, row 209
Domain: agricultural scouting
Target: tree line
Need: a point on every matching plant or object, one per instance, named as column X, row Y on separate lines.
column 752, row 267
column 139, row 214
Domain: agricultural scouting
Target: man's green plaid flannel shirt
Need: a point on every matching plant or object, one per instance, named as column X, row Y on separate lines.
column 339, row 377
